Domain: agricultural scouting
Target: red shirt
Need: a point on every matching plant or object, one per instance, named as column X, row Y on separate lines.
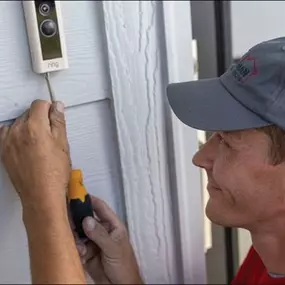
column 253, row 271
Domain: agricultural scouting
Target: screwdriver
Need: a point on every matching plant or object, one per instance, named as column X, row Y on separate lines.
column 78, row 198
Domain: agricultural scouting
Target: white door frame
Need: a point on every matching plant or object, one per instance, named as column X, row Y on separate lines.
column 149, row 45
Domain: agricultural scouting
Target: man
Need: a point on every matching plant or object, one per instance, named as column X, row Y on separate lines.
column 245, row 156
column 244, row 160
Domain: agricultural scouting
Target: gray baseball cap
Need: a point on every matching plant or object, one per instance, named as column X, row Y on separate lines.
column 250, row 94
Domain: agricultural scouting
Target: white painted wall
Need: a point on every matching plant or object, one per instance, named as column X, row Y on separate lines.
column 255, row 21
column 122, row 134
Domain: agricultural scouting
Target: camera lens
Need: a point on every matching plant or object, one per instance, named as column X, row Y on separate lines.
column 44, row 9
column 48, row 28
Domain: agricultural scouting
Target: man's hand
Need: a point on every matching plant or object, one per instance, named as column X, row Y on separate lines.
column 35, row 153
column 108, row 256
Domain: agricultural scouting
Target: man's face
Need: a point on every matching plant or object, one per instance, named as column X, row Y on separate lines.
column 245, row 188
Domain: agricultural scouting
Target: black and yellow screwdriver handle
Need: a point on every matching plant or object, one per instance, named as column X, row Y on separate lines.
column 79, row 201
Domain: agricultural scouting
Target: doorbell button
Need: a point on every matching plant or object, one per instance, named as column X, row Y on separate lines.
column 46, row 37
column 48, row 28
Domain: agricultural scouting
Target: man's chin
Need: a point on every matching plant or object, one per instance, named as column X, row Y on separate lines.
column 216, row 216
column 222, row 217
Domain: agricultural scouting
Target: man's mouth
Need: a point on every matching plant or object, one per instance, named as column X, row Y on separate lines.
column 212, row 187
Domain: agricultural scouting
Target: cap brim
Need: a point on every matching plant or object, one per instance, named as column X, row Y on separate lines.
column 207, row 105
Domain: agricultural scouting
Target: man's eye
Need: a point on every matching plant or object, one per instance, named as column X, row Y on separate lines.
column 222, row 141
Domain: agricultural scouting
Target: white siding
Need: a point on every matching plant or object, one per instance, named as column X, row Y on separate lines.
column 85, row 81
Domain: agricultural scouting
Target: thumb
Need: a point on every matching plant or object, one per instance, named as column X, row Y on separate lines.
column 57, row 120
column 97, row 233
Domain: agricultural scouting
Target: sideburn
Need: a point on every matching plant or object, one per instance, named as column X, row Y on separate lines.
column 277, row 141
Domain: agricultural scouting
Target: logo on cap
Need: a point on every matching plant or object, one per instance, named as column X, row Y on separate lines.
column 244, row 69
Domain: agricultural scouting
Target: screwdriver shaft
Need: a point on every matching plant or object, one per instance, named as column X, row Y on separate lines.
column 51, row 93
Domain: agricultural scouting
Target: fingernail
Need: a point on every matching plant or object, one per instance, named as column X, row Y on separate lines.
column 81, row 249
column 90, row 224
column 60, row 107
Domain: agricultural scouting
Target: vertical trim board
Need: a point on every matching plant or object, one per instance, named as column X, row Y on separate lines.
column 138, row 96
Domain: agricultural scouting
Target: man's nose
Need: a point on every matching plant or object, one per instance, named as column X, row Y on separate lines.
column 205, row 156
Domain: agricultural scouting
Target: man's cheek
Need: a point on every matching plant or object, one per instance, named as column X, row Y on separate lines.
column 222, row 174
column 228, row 181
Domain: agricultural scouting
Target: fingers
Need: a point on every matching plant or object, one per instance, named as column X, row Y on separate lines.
column 82, row 248
column 96, row 271
column 105, row 213
column 4, row 130
column 97, row 233
column 39, row 111
column 21, row 119
column 87, row 250
column 51, row 114
column 3, row 134
column 57, row 120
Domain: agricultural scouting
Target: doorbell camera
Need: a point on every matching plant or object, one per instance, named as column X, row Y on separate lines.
column 45, row 35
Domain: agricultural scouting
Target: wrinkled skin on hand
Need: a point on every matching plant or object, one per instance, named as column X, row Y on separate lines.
column 108, row 256
column 35, row 153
